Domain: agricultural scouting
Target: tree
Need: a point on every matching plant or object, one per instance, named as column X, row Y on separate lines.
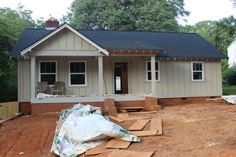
column 12, row 22
column 220, row 34
column 230, row 76
column 154, row 15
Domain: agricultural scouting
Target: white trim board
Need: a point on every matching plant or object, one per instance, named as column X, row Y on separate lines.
column 87, row 99
column 61, row 53
column 63, row 26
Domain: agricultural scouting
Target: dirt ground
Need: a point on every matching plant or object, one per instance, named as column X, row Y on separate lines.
column 200, row 130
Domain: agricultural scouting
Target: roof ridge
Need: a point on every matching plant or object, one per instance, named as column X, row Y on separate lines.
column 135, row 31
column 141, row 31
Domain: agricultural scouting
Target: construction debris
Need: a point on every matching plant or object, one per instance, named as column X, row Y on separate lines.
column 83, row 127
column 143, row 126
column 114, row 143
column 139, row 125
column 230, row 99
column 156, row 124
column 98, row 150
column 125, row 153
column 145, row 133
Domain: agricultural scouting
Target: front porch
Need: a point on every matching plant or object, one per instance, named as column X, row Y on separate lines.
column 100, row 79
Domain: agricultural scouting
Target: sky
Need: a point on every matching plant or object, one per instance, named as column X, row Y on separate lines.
column 200, row 10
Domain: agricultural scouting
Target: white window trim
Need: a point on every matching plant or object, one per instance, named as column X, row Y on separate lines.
column 46, row 73
column 197, row 71
column 85, row 73
column 146, row 70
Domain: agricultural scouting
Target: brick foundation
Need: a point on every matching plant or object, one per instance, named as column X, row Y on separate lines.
column 57, row 107
column 137, row 103
column 25, row 108
column 110, row 107
column 185, row 100
column 151, row 103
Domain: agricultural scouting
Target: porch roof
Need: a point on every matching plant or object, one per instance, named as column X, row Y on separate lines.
column 168, row 44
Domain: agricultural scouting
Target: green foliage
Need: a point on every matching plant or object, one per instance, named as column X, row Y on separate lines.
column 230, row 76
column 227, row 90
column 155, row 15
column 12, row 23
column 219, row 33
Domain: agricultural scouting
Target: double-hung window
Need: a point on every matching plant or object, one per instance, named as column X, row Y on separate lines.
column 197, row 71
column 149, row 71
column 77, row 73
column 47, row 72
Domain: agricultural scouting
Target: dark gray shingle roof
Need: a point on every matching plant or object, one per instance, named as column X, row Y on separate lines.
column 172, row 44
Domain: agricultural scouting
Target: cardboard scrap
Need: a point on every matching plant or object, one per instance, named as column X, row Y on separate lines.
column 145, row 133
column 137, row 118
column 125, row 153
column 123, row 115
column 114, row 143
column 116, row 119
column 156, row 124
column 139, row 125
column 97, row 150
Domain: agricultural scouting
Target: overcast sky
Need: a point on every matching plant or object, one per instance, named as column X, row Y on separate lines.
column 199, row 9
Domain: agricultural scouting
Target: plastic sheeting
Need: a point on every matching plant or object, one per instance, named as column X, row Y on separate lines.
column 230, row 98
column 83, row 127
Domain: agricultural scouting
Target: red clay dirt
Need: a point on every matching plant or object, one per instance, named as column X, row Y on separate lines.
column 200, row 130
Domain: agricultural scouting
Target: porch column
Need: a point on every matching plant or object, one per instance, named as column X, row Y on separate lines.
column 32, row 68
column 153, row 72
column 100, row 76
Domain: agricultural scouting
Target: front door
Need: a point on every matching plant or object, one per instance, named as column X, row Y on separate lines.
column 121, row 78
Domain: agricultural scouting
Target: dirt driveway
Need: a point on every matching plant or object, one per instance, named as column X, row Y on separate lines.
column 201, row 130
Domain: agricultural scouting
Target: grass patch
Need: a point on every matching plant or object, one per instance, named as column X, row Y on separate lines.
column 227, row 90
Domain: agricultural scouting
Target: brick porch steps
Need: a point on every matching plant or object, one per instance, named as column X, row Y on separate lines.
column 131, row 109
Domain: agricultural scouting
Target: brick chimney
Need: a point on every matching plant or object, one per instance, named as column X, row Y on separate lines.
column 51, row 24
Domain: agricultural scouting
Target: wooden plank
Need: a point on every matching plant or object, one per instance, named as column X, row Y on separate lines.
column 138, row 118
column 156, row 124
column 139, row 125
column 116, row 119
column 126, row 153
column 123, row 115
column 114, row 143
column 145, row 133
column 98, row 150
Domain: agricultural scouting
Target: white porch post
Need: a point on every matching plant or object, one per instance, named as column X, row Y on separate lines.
column 100, row 76
column 32, row 68
column 153, row 72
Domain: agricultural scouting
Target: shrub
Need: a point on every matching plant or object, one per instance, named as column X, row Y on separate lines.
column 230, row 76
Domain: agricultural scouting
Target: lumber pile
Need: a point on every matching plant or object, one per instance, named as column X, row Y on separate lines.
column 142, row 126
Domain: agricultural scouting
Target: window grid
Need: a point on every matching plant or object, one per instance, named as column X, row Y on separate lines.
column 77, row 73
column 41, row 74
column 197, row 67
column 149, row 71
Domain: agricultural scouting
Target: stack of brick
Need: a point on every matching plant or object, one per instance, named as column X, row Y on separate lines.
column 109, row 107
column 151, row 104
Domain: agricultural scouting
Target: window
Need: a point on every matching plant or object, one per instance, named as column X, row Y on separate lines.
column 47, row 72
column 197, row 71
column 77, row 73
column 149, row 73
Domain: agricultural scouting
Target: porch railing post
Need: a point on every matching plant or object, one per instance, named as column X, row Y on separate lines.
column 32, row 69
column 100, row 76
column 153, row 73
